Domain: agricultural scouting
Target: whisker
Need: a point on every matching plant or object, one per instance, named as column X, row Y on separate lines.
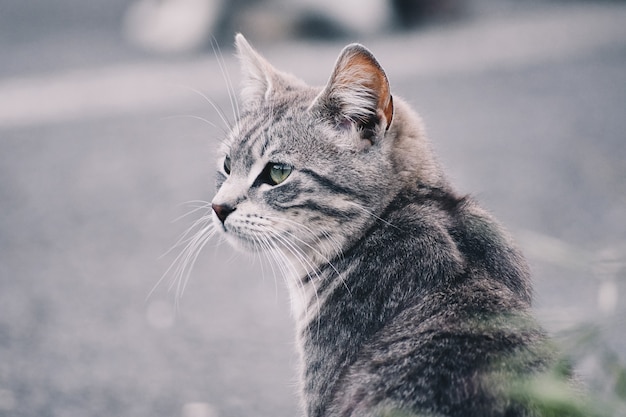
column 194, row 202
column 189, row 234
column 232, row 95
column 191, row 116
column 312, row 248
column 192, row 240
column 309, row 268
column 183, row 272
column 195, row 209
column 335, row 245
column 366, row 211
column 217, row 108
column 274, row 254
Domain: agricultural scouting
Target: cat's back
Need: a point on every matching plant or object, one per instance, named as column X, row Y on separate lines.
column 463, row 327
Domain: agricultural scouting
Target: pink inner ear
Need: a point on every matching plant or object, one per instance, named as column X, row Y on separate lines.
column 360, row 69
column 388, row 111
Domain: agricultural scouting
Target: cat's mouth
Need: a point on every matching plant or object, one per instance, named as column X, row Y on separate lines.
column 245, row 234
column 262, row 236
column 243, row 241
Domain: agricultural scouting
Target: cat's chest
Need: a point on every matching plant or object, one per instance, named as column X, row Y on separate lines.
column 309, row 286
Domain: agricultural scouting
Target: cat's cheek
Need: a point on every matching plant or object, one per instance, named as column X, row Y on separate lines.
column 282, row 196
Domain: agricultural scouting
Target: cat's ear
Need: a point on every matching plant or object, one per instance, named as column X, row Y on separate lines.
column 258, row 74
column 358, row 91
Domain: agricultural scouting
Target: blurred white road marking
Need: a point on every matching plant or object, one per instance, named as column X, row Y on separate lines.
column 471, row 47
column 603, row 266
column 554, row 251
column 608, row 296
column 101, row 92
column 198, row 410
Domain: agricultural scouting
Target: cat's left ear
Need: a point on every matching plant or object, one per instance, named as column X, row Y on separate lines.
column 358, row 92
column 258, row 74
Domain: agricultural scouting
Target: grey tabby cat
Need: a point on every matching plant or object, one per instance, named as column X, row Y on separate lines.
column 409, row 299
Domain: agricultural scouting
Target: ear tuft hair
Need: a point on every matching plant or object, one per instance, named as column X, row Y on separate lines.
column 358, row 90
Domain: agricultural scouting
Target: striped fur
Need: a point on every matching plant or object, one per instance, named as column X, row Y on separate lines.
column 408, row 299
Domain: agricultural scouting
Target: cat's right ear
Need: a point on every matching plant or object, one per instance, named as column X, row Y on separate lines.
column 257, row 73
column 358, row 94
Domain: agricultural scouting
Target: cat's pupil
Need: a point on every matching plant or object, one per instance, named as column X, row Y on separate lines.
column 227, row 165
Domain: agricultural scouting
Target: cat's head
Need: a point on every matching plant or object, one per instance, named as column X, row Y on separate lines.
column 307, row 170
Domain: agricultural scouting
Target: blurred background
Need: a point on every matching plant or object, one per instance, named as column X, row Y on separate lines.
column 106, row 135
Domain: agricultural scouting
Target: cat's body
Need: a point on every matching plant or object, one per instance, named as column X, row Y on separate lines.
column 431, row 326
column 409, row 300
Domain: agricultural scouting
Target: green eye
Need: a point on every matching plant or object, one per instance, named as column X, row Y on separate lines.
column 279, row 172
column 227, row 165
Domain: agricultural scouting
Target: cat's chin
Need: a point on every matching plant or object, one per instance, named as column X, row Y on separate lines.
column 241, row 243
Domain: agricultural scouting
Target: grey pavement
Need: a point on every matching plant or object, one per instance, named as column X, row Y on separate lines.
column 99, row 152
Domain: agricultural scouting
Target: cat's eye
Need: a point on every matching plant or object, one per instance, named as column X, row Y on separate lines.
column 227, row 165
column 278, row 172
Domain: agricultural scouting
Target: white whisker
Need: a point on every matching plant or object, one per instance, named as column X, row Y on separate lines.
column 214, row 105
column 368, row 212
column 266, row 245
column 190, row 233
column 195, row 208
column 316, row 251
column 192, row 240
column 191, row 116
column 229, row 85
column 309, row 268
column 191, row 253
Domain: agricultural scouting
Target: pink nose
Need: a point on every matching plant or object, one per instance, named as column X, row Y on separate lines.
column 222, row 211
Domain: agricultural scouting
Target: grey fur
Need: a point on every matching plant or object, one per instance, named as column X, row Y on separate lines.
column 408, row 298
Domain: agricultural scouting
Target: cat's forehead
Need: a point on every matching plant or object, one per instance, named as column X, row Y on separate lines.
column 274, row 126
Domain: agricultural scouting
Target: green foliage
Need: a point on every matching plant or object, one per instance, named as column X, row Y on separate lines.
column 602, row 391
column 550, row 395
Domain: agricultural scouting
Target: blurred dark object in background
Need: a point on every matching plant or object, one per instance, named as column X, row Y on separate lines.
column 180, row 26
column 411, row 13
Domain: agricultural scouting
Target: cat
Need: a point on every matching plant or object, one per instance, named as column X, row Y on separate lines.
column 409, row 299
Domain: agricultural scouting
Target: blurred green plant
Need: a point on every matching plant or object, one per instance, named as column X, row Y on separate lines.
column 602, row 370
column 587, row 379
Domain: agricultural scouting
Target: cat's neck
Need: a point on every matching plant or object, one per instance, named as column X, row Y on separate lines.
column 411, row 152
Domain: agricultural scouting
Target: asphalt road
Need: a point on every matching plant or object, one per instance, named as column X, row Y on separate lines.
column 98, row 156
